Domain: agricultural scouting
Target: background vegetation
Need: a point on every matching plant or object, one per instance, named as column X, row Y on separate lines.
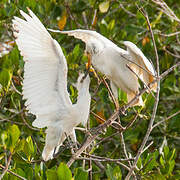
column 112, row 153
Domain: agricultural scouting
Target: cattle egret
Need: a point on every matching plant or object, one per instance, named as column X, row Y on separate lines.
column 112, row 61
column 45, row 84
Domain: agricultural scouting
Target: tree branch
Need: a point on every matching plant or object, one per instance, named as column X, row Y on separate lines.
column 140, row 150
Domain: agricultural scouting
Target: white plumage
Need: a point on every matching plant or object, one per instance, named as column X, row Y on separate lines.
column 112, row 61
column 45, row 84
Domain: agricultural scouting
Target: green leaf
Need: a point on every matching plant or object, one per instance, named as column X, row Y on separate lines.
column 64, row 172
column 109, row 172
column 139, row 163
column 76, row 51
column 111, row 25
column 29, row 148
column 172, row 154
column 20, row 145
column 29, row 172
column 171, row 166
column 51, row 174
column 162, row 161
column 122, row 96
column 80, row 174
column 20, row 172
column 117, row 173
column 14, row 133
column 104, row 6
column 166, row 152
column 5, row 78
column 4, row 137
column 150, row 162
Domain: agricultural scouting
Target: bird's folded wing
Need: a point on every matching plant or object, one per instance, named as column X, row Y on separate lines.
column 147, row 71
column 45, row 71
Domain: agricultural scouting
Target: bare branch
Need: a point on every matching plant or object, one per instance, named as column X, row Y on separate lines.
column 169, row 70
column 171, row 34
column 128, row 12
column 13, row 116
column 166, row 119
column 20, row 177
column 6, row 167
column 104, row 160
column 165, row 8
column 35, row 129
column 147, row 147
column 172, row 54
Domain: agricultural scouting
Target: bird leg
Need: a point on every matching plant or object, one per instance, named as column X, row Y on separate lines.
column 73, row 139
column 114, row 89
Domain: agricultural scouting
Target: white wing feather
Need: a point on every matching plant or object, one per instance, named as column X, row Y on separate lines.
column 148, row 75
column 88, row 36
column 45, row 71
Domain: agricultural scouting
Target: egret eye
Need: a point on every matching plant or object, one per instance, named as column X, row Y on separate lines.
column 94, row 49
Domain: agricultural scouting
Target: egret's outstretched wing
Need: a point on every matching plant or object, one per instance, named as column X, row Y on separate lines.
column 84, row 35
column 88, row 36
column 45, row 71
column 138, row 57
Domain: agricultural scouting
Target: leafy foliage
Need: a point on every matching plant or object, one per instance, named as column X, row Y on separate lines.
column 22, row 145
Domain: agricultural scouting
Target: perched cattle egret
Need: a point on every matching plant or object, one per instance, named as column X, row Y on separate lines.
column 112, row 61
column 45, row 84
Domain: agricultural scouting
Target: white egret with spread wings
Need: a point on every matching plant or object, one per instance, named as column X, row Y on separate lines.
column 112, row 61
column 45, row 84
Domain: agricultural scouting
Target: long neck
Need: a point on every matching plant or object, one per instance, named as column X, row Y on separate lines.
column 83, row 104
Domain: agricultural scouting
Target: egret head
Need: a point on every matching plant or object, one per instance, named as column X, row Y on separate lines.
column 83, row 81
column 91, row 48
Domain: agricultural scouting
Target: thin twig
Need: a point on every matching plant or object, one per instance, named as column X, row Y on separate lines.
column 109, row 159
column 172, row 54
column 85, row 19
column 106, row 138
column 166, row 119
column 128, row 12
column 165, row 8
column 35, row 129
column 171, row 34
column 169, row 70
column 14, row 87
column 147, row 147
column 13, row 116
column 103, row 120
column 71, row 16
column 6, row 167
column 140, row 79
column 132, row 122
column 104, row 160
column 109, row 91
column 149, row 72
column 20, row 177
